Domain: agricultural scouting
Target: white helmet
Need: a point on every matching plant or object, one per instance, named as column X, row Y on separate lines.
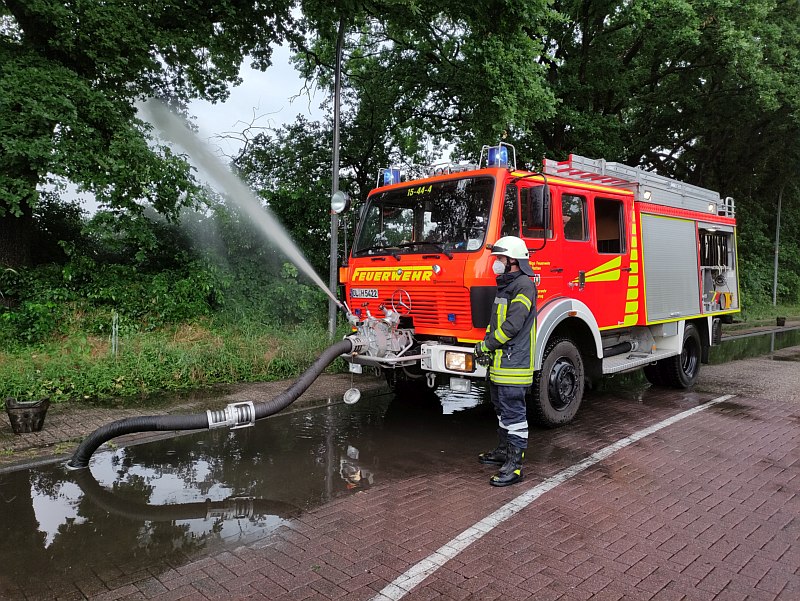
column 514, row 248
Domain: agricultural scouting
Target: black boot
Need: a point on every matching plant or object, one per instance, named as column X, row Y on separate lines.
column 497, row 456
column 511, row 471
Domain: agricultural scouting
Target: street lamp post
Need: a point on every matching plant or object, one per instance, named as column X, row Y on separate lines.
column 337, row 88
column 777, row 248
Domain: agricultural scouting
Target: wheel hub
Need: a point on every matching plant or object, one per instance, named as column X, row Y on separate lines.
column 563, row 384
column 689, row 360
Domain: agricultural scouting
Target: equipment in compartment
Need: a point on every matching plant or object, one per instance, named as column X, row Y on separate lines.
column 716, row 260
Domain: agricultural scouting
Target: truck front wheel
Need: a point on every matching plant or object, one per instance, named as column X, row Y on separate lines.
column 557, row 388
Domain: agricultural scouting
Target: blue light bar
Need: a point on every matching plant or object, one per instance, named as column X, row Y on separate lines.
column 391, row 176
column 498, row 156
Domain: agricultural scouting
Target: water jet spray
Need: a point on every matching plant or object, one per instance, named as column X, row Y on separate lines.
column 174, row 129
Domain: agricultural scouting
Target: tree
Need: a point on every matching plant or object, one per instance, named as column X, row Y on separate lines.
column 423, row 72
column 70, row 73
column 291, row 170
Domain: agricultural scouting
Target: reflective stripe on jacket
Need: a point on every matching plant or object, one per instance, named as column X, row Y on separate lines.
column 511, row 334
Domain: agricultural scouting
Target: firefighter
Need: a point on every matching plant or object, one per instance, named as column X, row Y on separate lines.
column 508, row 349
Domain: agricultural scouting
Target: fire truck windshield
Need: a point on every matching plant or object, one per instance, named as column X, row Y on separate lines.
column 445, row 217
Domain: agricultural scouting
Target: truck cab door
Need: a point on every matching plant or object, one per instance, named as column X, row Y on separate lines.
column 597, row 227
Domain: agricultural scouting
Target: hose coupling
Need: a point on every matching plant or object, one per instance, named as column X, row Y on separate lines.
column 234, row 416
column 360, row 344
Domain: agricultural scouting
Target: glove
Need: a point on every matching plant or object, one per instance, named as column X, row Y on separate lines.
column 482, row 355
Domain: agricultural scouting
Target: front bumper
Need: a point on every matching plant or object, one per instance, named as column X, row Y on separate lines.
column 432, row 357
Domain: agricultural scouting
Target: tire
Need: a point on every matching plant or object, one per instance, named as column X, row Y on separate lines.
column 653, row 374
column 557, row 389
column 681, row 371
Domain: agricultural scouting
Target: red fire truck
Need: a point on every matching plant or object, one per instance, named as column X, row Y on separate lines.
column 633, row 270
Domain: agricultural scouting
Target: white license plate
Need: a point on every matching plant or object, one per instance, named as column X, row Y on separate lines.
column 364, row 293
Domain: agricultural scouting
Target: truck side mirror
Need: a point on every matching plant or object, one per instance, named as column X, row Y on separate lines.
column 546, row 212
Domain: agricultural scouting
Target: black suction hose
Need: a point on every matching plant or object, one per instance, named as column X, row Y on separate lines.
column 198, row 421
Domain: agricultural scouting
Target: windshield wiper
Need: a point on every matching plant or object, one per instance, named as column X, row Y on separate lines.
column 438, row 247
column 386, row 249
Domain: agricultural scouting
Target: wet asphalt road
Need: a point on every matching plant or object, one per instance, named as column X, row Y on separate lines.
column 338, row 502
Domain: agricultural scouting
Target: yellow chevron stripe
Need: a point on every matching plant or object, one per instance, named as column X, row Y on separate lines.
column 614, row 263
column 609, row 276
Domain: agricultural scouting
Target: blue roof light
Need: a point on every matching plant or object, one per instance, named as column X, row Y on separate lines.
column 498, row 156
column 391, row 176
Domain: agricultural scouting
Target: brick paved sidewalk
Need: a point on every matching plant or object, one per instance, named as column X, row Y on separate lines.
column 704, row 509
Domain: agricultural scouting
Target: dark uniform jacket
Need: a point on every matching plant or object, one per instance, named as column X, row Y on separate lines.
column 511, row 333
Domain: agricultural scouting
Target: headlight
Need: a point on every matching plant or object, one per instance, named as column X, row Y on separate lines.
column 456, row 361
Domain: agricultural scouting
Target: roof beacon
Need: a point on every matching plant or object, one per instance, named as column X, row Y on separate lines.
column 502, row 155
column 388, row 176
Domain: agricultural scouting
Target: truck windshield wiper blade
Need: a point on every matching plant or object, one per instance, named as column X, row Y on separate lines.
column 388, row 249
column 435, row 245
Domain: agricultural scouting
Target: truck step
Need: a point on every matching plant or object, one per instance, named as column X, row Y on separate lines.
column 632, row 360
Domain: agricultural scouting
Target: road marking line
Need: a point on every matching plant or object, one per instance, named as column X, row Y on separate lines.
column 406, row 582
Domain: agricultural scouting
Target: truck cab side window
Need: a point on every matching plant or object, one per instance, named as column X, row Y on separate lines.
column 573, row 213
column 609, row 225
column 510, row 212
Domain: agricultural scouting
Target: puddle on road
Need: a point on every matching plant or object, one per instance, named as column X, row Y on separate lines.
column 165, row 502
column 735, row 410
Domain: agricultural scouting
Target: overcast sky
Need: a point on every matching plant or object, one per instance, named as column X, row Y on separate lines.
column 267, row 99
column 269, row 96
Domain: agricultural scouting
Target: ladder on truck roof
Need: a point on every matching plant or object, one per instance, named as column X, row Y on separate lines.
column 647, row 186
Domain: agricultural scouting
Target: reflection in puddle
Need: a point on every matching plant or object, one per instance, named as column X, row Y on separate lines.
column 459, row 401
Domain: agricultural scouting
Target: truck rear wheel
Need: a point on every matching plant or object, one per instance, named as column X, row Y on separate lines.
column 682, row 370
column 557, row 388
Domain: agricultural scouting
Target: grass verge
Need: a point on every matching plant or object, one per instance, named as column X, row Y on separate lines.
column 189, row 356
